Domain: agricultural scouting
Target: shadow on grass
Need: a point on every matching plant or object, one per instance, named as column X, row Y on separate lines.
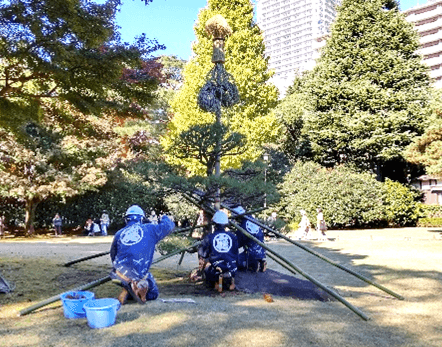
column 234, row 319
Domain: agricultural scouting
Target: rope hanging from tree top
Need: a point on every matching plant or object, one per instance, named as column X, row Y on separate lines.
column 219, row 90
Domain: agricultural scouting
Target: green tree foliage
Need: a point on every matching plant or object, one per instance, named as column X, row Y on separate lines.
column 369, row 90
column 245, row 61
column 348, row 198
column 291, row 113
column 401, row 203
column 56, row 158
column 426, row 150
column 69, row 50
column 131, row 182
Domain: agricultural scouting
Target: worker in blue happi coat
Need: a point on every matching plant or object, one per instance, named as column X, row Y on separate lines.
column 253, row 256
column 132, row 252
column 220, row 253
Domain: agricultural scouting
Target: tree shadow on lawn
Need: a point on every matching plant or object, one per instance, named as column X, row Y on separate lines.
column 234, row 318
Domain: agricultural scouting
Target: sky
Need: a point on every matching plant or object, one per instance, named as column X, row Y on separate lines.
column 171, row 22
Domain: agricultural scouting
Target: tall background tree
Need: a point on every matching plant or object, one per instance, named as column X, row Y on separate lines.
column 62, row 65
column 69, row 50
column 369, row 91
column 245, row 61
column 57, row 160
column 426, row 150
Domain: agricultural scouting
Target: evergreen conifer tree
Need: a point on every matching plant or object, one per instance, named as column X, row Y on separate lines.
column 245, row 61
column 426, row 150
column 369, row 90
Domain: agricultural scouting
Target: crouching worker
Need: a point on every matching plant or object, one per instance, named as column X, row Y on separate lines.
column 132, row 252
column 253, row 256
column 220, row 252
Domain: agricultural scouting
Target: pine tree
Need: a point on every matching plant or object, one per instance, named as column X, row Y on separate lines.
column 368, row 91
column 426, row 150
column 245, row 61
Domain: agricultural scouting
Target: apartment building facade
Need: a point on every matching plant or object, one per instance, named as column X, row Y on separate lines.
column 292, row 29
column 427, row 19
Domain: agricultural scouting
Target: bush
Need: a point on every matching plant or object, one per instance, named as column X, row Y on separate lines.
column 347, row 198
column 431, row 211
column 173, row 243
column 401, row 204
column 429, row 222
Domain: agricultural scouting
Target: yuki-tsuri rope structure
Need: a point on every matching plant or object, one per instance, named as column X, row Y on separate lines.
column 219, row 91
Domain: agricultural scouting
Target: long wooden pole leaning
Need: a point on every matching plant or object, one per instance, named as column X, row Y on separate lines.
column 331, row 262
column 93, row 284
column 192, row 228
column 294, row 269
column 57, row 297
column 75, row 261
column 301, row 272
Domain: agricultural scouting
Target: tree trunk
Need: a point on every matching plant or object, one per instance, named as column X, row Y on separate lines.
column 31, row 206
column 379, row 173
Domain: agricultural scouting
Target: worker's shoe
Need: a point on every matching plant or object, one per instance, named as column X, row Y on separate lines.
column 124, row 295
column 262, row 266
column 219, row 284
column 139, row 289
column 232, row 284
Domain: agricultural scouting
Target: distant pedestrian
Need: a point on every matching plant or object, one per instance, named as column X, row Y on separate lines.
column 2, row 226
column 321, row 226
column 88, row 226
column 304, row 226
column 57, row 221
column 96, row 231
column 104, row 222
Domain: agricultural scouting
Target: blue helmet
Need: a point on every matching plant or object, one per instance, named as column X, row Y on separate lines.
column 221, row 218
column 135, row 210
column 239, row 210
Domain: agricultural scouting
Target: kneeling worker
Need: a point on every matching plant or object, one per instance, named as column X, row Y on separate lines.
column 132, row 252
column 220, row 251
column 254, row 256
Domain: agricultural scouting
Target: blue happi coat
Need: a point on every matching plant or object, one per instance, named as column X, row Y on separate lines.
column 133, row 248
column 252, row 251
column 220, row 249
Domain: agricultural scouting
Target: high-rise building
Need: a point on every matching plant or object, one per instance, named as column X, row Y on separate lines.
column 292, row 30
column 427, row 19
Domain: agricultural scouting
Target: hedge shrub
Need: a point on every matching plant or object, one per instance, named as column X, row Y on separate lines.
column 429, row 222
column 348, row 198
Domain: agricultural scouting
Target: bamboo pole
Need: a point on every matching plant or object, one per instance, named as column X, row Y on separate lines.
column 304, row 274
column 57, row 297
column 328, row 260
column 75, row 261
column 93, row 284
column 192, row 228
column 86, row 258
column 295, row 269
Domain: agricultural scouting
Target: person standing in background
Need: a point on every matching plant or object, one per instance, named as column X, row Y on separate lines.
column 104, row 222
column 321, row 227
column 57, row 221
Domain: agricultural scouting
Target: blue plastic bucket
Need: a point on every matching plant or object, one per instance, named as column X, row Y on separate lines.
column 73, row 303
column 101, row 313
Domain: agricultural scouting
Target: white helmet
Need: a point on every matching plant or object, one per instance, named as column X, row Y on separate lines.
column 220, row 217
column 135, row 210
column 239, row 210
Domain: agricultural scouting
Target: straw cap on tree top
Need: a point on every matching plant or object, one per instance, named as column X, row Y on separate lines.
column 218, row 27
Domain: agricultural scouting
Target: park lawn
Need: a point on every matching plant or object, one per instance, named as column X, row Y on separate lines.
column 406, row 264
